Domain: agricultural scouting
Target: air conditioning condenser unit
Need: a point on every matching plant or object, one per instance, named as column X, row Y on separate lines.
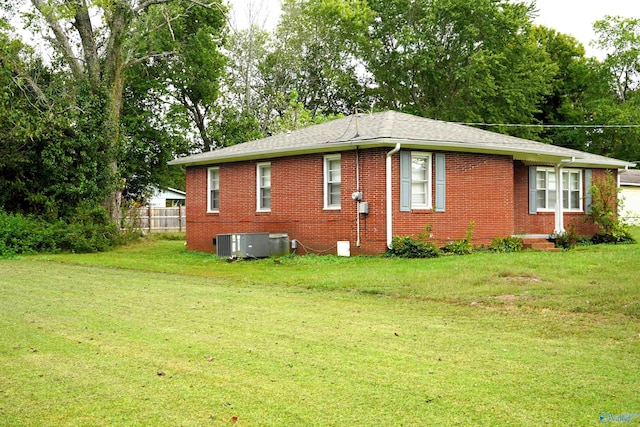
column 242, row 245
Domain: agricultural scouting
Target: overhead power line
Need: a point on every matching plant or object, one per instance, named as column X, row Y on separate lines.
column 548, row 125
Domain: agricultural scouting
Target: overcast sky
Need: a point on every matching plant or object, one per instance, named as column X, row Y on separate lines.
column 574, row 17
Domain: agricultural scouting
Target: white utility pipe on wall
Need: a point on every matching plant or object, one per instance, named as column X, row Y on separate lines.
column 389, row 196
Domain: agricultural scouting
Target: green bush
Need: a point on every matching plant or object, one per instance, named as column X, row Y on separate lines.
column 459, row 247
column 569, row 239
column 410, row 247
column 505, row 244
column 618, row 237
column 24, row 234
column 605, row 205
column 463, row 246
column 87, row 231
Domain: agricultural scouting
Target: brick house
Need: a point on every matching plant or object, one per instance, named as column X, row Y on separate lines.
column 364, row 179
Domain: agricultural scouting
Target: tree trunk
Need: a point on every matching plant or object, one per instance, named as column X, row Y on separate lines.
column 82, row 23
column 113, row 81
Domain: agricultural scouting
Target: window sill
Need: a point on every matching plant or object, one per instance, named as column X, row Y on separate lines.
column 564, row 211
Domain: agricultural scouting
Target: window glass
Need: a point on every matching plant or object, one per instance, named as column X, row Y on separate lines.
column 541, row 199
column 264, row 186
column 420, row 180
column 572, row 189
column 334, row 170
column 214, row 189
column 419, row 168
column 547, row 187
column 333, row 181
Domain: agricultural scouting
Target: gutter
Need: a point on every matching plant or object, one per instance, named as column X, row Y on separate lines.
column 389, row 196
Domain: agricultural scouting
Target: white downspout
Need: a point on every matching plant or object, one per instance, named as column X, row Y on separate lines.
column 389, row 196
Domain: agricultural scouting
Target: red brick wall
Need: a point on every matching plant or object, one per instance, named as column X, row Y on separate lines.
column 297, row 203
column 544, row 222
column 479, row 190
column 489, row 190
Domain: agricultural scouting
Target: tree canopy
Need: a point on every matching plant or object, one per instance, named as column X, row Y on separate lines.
column 127, row 85
column 160, row 57
column 54, row 155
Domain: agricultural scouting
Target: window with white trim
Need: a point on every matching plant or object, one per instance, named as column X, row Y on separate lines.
column 421, row 180
column 572, row 190
column 547, row 187
column 332, row 181
column 264, row 186
column 213, row 189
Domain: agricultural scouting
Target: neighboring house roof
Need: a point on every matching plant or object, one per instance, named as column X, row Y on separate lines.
column 176, row 191
column 168, row 193
column 630, row 177
column 388, row 128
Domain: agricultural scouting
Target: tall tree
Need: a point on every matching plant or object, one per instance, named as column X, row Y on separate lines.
column 53, row 154
column 246, row 49
column 457, row 60
column 244, row 105
column 97, row 42
column 244, row 110
column 149, row 139
column 619, row 108
column 573, row 85
column 291, row 78
column 620, row 39
column 22, row 122
column 314, row 53
column 183, row 76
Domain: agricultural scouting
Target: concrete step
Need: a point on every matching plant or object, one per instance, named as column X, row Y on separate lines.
column 539, row 244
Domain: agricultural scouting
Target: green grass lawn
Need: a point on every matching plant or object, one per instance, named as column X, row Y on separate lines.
column 152, row 334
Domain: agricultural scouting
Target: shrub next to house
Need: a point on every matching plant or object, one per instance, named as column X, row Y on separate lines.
column 410, row 247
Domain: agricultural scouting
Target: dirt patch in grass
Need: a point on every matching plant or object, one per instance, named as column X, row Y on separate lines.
column 511, row 299
column 507, row 298
column 519, row 277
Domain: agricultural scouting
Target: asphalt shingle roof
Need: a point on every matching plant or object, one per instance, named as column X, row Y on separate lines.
column 630, row 177
column 387, row 129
